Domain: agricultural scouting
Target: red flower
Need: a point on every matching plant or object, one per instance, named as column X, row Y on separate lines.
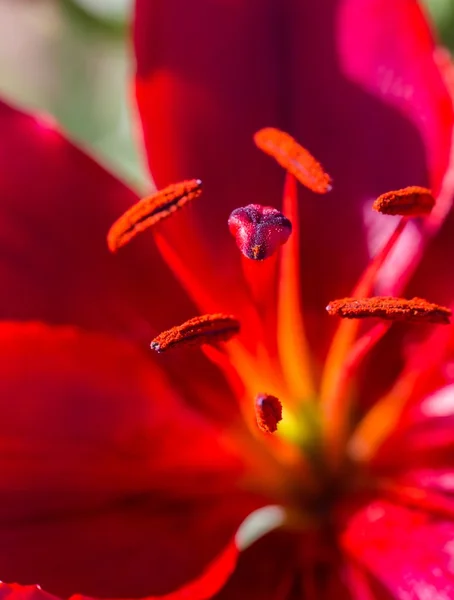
column 126, row 473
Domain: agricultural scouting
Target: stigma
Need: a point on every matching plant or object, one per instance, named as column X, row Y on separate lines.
column 259, row 230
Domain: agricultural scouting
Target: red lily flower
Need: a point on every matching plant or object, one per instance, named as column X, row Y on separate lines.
column 127, row 473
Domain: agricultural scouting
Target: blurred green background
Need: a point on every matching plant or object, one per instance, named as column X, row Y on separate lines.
column 72, row 58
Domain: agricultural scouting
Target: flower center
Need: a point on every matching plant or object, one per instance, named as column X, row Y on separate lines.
column 316, row 422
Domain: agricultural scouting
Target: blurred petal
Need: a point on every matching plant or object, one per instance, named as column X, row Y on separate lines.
column 212, row 579
column 133, row 493
column 402, row 72
column 209, row 74
column 56, row 207
column 397, row 401
column 14, row 591
column 409, row 552
column 203, row 588
column 362, row 586
column 266, row 570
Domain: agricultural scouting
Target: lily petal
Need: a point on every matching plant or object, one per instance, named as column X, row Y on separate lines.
column 266, row 570
column 409, row 552
column 56, row 207
column 133, row 493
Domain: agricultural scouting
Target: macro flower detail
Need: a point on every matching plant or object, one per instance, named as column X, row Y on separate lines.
column 326, row 485
column 263, row 449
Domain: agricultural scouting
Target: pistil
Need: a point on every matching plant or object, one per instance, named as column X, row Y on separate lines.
column 259, row 230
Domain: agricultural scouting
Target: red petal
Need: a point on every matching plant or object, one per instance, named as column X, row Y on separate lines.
column 210, row 74
column 410, row 553
column 57, row 206
column 266, row 570
column 203, row 588
column 109, row 486
column 13, row 591
column 363, row 586
column 402, row 72
column 212, row 579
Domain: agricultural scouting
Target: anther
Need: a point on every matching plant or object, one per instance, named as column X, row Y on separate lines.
column 148, row 211
column 415, row 310
column 294, row 158
column 259, row 230
column 206, row 329
column 268, row 411
column 413, row 201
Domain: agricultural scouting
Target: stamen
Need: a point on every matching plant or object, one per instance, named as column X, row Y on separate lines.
column 206, row 329
column 344, row 355
column 415, row 310
column 294, row 158
column 148, row 211
column 268, row 410
column 334, row 402
column 413, row 201
column 259, row 230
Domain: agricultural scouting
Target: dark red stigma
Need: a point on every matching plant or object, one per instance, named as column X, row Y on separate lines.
column 259, row 230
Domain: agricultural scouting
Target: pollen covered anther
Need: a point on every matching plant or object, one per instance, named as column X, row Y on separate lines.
column 294, row 158
column 206, row 329
column 268, row 411
column 148, row 211
column 259, row 230
column 413, row 201
column 415, row 310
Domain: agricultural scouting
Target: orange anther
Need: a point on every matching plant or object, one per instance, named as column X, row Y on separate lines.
column 206, row 329
column 150, row 210
column 411, row 201
column 294, row 158
column 415, row 310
